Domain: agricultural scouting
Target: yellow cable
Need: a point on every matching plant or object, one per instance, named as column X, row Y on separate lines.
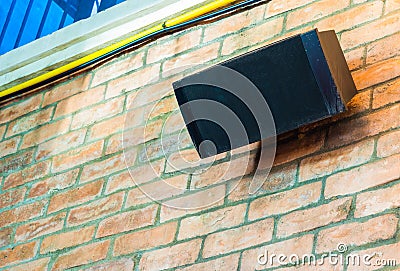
column 180, row 19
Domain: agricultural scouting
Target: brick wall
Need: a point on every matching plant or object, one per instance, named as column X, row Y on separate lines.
column 67, row 200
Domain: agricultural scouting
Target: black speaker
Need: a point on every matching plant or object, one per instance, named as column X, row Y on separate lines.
column 298, row 80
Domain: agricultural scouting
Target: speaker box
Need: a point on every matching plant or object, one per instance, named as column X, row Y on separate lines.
column 299, row 80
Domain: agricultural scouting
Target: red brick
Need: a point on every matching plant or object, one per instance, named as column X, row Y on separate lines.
column 127, row 221
column 295, row 246
column 329, row 162
column 40, row 227
column 75, row 196
column 277, row 7
column 117, row 68
column 37, row 265
column 233, row 23
column 383, row 49
column 82, row 255
column 377, row 73
column 77, row 156
column 95, row 209
column 17, row 110
column 26, row 175
column 53, row 183
column 192, row 203
column 345, row 132
column 283, row 202
column 117, row 265
column 145, row 239
column 27, row 123
column 16, row 161
column 79, row 101
column 278, row 179
column 60, row 144
column 66, row 239
column 314, row 218
column 5, row 237
column 364, row 177
column 173, row 46
column 97, row 113
column 360, row 103
column 370, row 32
column 157, row 191
column 355, row 58
column 388, row 144
column 162, row 107
column 212, row 221
column 386, row 94
column 352, row 17
column 252, row 36
column 12, row 197
column 46, row 132
column 108, row 127
column 9, row 146
column 388, row 252
column 105, row 167
column 188, row 60
column 170, row 257
column 391, row 5
column 357, row 233
column 314, row 12
column 17, row 254
column 238, row 238
column 228, row 263
column 377, row 201
column 72, row 87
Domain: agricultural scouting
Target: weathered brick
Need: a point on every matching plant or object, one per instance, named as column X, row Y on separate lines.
column 60, row 144
column 66, row 239
column 252, row 36
column 173, row 46
column 277, row 7
column 141, row 134
column 108, row 127
column 9, row 146
column 228, row 263
column 53, row 183
column 355, row 58
column 27, row 123
column 329, row 162
column 363, row 177
column 37, row 265
column 370, row 32
column 26, row 175
column 173, row 123
column 97, row 113
column 357, row 233
column 391, row 5
column 170, row 257
column 62, row 91
column 295, row 246
column 238, row 238
column 377, row 201
column 161, row 235
column 360, row 103
column 209, row 222
column 377, row 73
column 116, row 265
column 40, row 227
column 46, row 132
column 345, row 132
column 352, row 17
column 105, row 167
column 383, row 49
column 118, row 68
column 17, row 110
column 386, row 94
column 188, row 60
column 388, row 144
column 192, row 203
column 12, row 197
column 162, row 107
column 2, row 130
column 82, row 255
column 15, row 161
column 95, row 209
column 75, row 196
column 313, row 218
column 285, row 201
column 233, row 23
column 77, row 156
column 17, row 254
column 5, row 237
column 127, row 221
